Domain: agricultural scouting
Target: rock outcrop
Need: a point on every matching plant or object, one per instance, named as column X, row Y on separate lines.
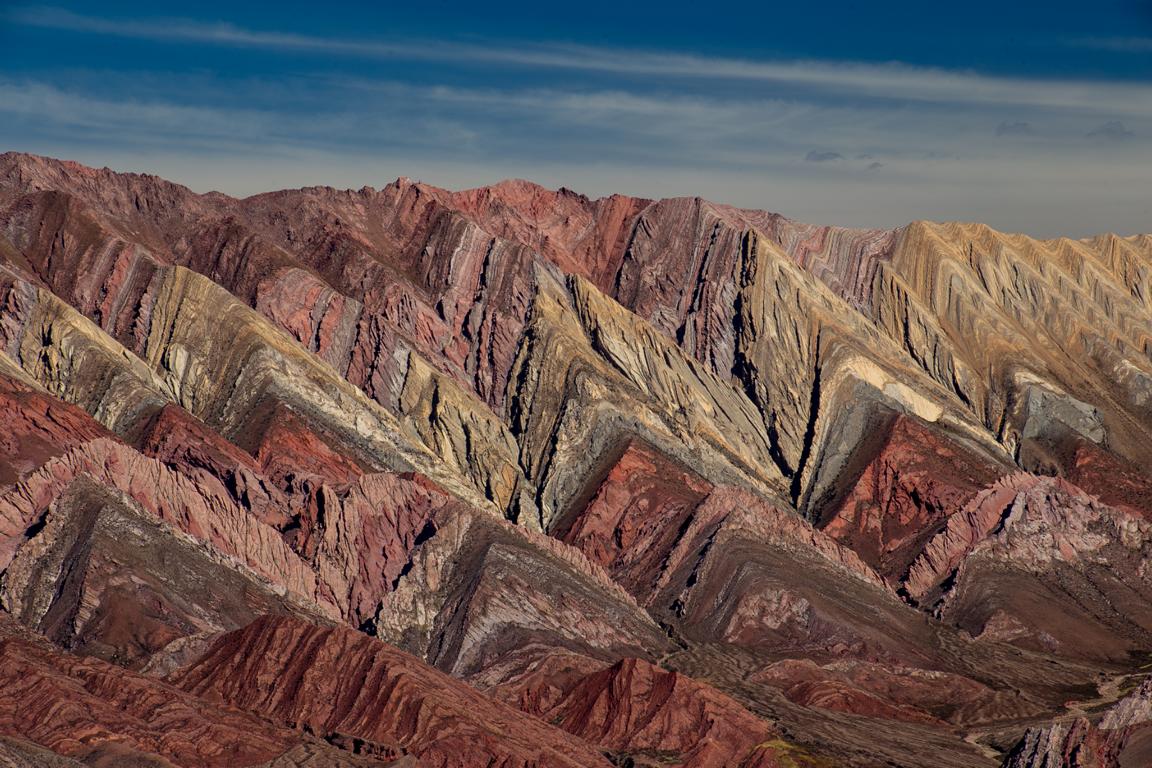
column 1122, row 737
column 635, row 708
column 100, row 714
column 343, row 686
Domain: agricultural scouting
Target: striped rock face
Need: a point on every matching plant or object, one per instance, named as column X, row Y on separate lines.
column 512, row 477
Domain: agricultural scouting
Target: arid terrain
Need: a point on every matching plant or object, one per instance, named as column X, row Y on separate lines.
column 511, row 477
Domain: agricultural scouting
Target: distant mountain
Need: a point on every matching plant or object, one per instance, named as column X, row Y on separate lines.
column 512, row 477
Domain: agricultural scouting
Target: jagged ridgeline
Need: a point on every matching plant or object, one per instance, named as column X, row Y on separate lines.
column 515, row 477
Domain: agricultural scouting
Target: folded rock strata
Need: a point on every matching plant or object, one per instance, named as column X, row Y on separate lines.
column 677, row 483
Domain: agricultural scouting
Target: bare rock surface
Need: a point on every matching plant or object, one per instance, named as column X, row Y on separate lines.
column 342, row 685
column 99, row 714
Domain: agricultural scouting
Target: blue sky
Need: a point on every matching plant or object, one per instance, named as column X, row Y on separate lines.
column 1032, row 117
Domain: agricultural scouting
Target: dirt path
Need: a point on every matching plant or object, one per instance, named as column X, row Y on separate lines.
column 1109, row 692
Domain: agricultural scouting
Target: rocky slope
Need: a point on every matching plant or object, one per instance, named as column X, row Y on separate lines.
column 513, row 477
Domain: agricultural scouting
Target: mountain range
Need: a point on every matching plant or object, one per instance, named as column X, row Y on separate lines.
column 513, row 477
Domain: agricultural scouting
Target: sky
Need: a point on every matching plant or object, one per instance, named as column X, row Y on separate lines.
column 1032, row 117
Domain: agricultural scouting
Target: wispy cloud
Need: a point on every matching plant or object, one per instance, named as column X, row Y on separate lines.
column 48, row 103
column 890, row 81
column 1015, row 128
column 823, row 157
column 537, row 125
column 1117, row 44
column 157, row 122
column 450, row 122
column 1113, row 130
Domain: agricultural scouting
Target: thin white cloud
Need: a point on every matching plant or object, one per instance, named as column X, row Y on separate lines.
column 45, row 102
column 1015, row 128
column 90, row 119
column 823, row 157
column 888, row 81
column 1117, row 44
column 686, row 130
column 1113, row 130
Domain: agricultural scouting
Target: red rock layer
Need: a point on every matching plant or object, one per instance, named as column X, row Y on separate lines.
column 581, row 236
column 904, row 495
column 35, row 427
column 185, row 443
column 178, row 438
column 633, row 518
column 637, row 708
column 337, row 682
column 290, row 449
column 892, row 693
column 309, row 493
column 1114, row 480
column 92, row 710
column 965, row 529
column 755, row 576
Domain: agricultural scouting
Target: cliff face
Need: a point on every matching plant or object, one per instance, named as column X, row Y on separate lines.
column 514, row 477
